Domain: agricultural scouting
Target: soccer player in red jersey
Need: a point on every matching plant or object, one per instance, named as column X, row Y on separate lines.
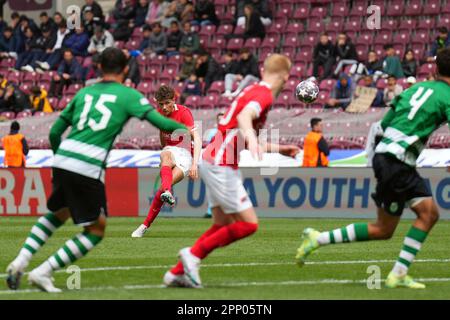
column 179, row 157
column 234, row 217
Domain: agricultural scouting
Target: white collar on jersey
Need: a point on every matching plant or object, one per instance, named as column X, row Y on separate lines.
column 175, row 107
column 263, row 83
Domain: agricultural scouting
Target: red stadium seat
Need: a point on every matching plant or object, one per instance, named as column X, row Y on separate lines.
column 192, row 101
column 364, row 39
column 318, row 12
column 334, row 25
column 145, row 88
column 72, row 89
column 395, row 10
column 414, row 8
column 294, row 29
column 407, row 24
column 431, row 8
column 23, row 114
column 402, row 38
column 218, row 43
column 426, row 24
column 217, row 87
column 301, row 12
column 358, row 10
column 426, row 69
column 340, row 10
column 352, row 25
column 208, row 102
column 235, row 44
column 224, row 29
column 208, row 30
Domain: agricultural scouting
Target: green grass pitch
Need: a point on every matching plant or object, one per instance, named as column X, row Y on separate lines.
column 260, row 267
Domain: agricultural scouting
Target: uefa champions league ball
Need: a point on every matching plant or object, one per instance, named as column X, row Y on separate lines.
column 307, row 90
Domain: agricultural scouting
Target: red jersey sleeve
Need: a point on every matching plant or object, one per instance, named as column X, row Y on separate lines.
column 261, row 102
column 187, row 119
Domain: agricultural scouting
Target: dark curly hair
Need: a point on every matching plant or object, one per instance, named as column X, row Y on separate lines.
column 443, row 62
column 164, row 93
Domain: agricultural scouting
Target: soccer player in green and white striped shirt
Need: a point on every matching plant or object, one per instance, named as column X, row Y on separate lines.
column 96, row 115
column 414, row 116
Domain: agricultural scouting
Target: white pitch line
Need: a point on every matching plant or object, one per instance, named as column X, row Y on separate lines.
column 228, row 284
column 250, row 264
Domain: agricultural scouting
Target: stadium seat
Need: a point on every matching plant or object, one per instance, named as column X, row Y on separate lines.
column 431, row 7
column 426, row 69
column 145, row 88
column 414, row 8
column 395, row 9
column 192, row 101
column 224, row 29
column 23, row 114
column 218, row 43
column 235, row 44
column 340, row 10
column 402, row 38
column 407, row 24
column 293, row 29
column 208, row 102
column 72, row 89
column 301, row 12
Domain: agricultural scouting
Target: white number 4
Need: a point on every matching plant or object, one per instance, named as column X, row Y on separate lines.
column 100, row 107
column 417, row 100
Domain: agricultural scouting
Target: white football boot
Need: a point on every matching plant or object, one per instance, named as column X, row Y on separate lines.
column 191, row 265
column 139, row 232
column 43, row 281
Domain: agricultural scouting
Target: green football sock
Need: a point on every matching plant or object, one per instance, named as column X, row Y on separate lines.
column 350, row 233
column 411, row 246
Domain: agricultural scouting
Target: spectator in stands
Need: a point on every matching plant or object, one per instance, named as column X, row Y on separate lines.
column 156, row 11
column 392, row 90
column 261, row 6
column 230, row 65
column 3, row 82
column 69, row 71
column 96, row 9
column 15, row 146
column 47, row 22
column 392, row 64
column 248, row 72
column 134, row 75
column 179, row 10
column 192, row 87
column 39, row 100
column 17, row 33
column 141, row 13
column 205, row 13
column 207, row 69
column 43, row 48
column 342, row 93
column 373, row 67
column 26, row 22
column 157, row 41
column 370, row 83
column 442, row 41
column 345, row 52
column 7, row 42
column 190, row 40
column 410, row 81
column 254, row 28
column 123, row 10
column 173, row 39
column 13, row 99
column 187, row 67
column 146, row 33
column 30, row 45
column 90, row 21
column 77, row 42
column 323, row 55
column 101, row 40
column 315, row 147
column 409, row 64
column 58, row 17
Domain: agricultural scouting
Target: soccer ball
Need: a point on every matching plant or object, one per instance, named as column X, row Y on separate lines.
column 307, row 90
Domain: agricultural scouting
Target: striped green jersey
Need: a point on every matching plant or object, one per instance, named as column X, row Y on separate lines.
column 414, row 116
column 97, row 115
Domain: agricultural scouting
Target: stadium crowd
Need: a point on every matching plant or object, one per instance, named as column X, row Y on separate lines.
column 210, row 48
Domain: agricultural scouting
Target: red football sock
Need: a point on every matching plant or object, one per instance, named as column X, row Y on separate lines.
column 223, row 237
column 166, row 178
column 178, row 269
column 155, row 208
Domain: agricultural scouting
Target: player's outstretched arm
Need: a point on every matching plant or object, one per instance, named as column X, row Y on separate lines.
column 56, row 132
column 288, row 150
column 163, row 123
column 245, row 122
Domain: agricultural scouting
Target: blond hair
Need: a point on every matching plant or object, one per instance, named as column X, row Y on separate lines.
column 277, row 63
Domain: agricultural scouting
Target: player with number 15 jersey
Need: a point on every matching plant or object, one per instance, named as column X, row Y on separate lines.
column 97, row 115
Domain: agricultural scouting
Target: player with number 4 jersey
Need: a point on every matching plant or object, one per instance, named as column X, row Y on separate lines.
column 97, row 115
column 413, row 117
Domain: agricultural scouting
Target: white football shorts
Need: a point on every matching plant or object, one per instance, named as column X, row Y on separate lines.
column 181, row 157
column 224, row 188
